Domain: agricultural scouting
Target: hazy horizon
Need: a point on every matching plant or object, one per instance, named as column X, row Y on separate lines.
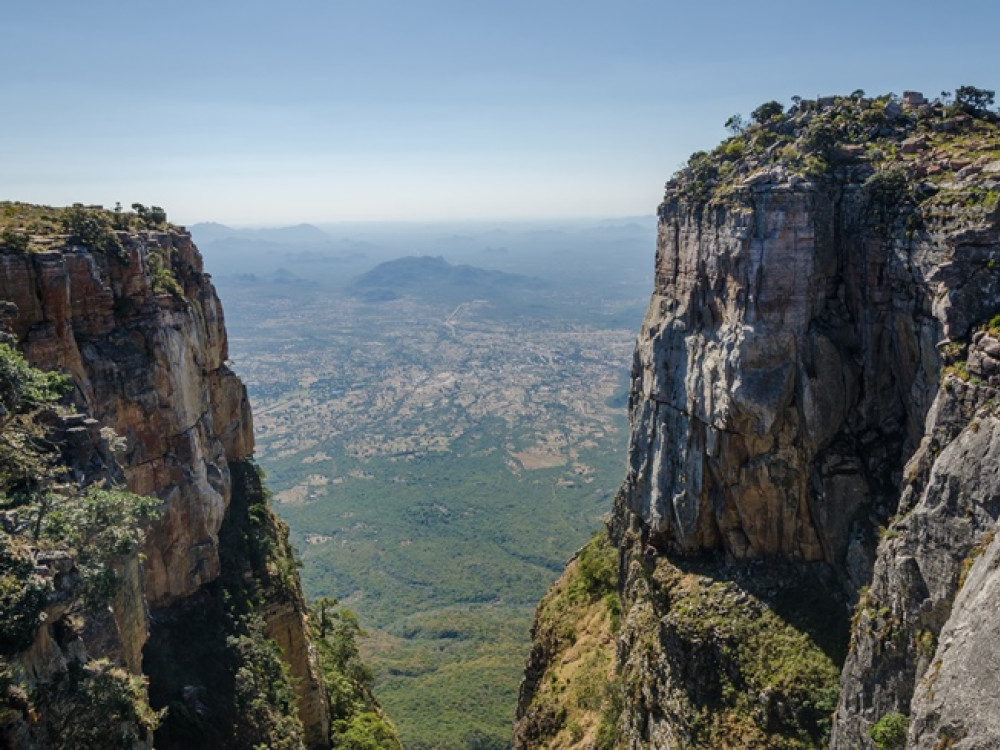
column 320, row 112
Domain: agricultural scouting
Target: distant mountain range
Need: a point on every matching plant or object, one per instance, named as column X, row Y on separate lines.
column 213, row 232
column 432, row 277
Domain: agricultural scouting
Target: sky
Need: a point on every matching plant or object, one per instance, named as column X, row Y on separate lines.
column 264, row 113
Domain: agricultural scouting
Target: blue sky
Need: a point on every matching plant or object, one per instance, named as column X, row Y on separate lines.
column 321, row 110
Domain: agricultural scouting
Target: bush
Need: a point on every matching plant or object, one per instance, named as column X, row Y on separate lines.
column 162, row 276
column 101, row 526
column 14, row 242
column 598, row 563
column 21, row 385
column 22, row 598
column 889, row 732
column 96, row 707
column 767, row 112
column 974, row 100
column 366, row 731
column 92, row 228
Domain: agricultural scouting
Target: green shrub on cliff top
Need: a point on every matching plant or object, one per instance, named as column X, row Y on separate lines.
column 92, row 227
column 816, row 139
column 14, row 242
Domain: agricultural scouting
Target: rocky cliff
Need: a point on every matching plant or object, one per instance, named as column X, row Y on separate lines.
column 120, row 302
column 817, row 363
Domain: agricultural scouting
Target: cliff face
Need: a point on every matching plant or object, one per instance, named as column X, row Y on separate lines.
column 140, row 329
column 784, row 367
column 818, row 278
column 152, row 367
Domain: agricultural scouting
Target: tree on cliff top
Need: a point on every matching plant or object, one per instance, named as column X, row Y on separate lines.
column 974, row 100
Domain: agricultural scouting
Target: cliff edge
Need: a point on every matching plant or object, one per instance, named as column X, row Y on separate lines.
column 811, row 418
column 119, row 302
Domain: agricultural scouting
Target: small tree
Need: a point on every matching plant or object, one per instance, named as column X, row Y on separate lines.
column 767, row 112
column 889, row 732
column 736, row 124
column 157, row 216
column 974, row 100
column 16, row 242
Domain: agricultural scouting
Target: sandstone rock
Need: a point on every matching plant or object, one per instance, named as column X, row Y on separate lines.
column 151, row 367
column 913, row 145
column 155, row 374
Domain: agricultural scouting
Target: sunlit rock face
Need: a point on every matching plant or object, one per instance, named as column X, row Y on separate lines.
column 781, row 375
column 813, row 431
column 152, row 366
column 149, row 361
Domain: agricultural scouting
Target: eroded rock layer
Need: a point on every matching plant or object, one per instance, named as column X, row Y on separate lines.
column 812, row 412
column 142, row 333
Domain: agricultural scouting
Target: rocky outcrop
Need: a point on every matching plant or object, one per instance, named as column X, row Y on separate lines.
column 952, row 698
column 782, row 374
column 817, row 361
column 63, row 655
column 151, row 366
column 142, row 333
column 909, row 622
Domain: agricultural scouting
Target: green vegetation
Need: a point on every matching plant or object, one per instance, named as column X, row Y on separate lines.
column 263, row 699
column 607, row 727
column 93, row 229
column 767, row 112
column 23, row 595
column 96, row 706
column 974, row 100
column 99, row 527
column 26, row 227
column 578, row 699
column 599, row 566
column 893, row 145
column 356, row 719
column 750, row 671
column 92, row 530
column 889, row 732
column 12, row 241
column 164, row 280
column 24, row 387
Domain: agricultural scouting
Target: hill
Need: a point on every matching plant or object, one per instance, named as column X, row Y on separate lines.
column 433, row 278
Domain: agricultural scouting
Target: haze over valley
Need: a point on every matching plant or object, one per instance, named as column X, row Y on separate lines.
column 440, row 412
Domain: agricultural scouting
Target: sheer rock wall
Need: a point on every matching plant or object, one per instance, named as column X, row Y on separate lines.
column 151, row 365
